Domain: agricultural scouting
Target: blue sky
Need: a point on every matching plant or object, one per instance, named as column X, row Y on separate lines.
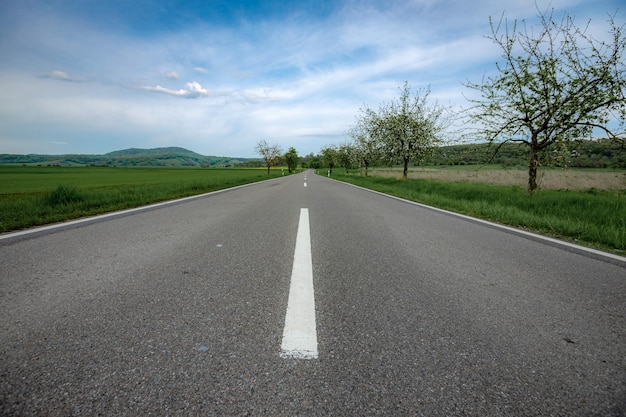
column 215, row 77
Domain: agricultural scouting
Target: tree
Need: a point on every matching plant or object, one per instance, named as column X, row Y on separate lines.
column 367, row 151
column 409, row 128
column 291, row 158
column 315, row 162
column 346, row 155
column 329, row 156
column 555, row 84
column 269, row 153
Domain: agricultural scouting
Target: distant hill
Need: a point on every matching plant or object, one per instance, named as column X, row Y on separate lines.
column 156, row 157
column 154, row 151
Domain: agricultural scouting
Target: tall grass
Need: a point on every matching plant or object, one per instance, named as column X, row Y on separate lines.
column 63, row 195
column 31, row 196
column 596, row 218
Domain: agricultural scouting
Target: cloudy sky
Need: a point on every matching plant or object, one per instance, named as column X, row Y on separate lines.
column 216, row 76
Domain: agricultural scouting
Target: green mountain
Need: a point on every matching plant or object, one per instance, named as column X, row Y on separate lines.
column 156, row 157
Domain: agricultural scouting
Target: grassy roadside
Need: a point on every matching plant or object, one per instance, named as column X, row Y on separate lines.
column 594, row 218
column 32, row 196
column 547, row 178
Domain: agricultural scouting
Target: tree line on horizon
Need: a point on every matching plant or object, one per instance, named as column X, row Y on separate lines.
column 600, row 154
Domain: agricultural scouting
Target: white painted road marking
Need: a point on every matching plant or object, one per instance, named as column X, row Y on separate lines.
column 305, row 184
column 300, row 334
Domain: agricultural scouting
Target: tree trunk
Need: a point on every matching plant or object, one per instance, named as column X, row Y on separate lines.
column 534, row 162
column 366, row 165
column 406, row 168
column 268, row 169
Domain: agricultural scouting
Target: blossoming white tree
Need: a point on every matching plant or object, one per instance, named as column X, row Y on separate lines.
column 555, row 84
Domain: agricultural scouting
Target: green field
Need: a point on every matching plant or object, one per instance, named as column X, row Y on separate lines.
column 591, row 217
column 31, row 196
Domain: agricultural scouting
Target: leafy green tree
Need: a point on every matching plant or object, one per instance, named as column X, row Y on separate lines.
column 409, row 128
column 269, row 153
column 315, row 162
column 329, row 157
column 291, row 158
column 555, row 84
column 346, row 155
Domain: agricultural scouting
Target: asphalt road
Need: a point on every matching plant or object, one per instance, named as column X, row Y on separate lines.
column 180, row 310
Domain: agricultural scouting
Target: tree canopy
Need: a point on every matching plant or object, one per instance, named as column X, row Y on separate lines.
column 291, row 159
column 329, row 156
column 270, row 153
column 406, row 129
column 366, row 150
column 554, row 84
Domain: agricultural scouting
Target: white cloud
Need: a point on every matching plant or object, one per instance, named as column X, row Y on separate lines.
column 60, row 75
column 193, row 90
column 159, row 89
column 172, row 75
column 242, row 96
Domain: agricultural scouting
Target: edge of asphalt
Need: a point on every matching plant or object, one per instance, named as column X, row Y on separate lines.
column 568, row 246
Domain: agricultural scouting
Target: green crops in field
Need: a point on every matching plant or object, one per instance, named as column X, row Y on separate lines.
column 596, row 218
column 31, row 196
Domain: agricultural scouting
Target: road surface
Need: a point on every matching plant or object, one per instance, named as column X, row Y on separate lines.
column 181, row 310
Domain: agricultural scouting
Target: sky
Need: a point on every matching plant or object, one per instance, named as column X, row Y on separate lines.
column 216, row 77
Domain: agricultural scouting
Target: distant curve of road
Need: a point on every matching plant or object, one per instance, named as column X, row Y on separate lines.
column 180, row 310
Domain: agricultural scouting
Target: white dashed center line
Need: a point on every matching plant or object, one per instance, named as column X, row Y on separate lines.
column 300, row 334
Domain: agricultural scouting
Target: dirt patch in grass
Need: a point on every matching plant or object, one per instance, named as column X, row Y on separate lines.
column 549, row 179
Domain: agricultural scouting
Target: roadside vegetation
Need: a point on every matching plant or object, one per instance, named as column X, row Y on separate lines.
column 31, row 196
column 547, row 178
column 591, row 217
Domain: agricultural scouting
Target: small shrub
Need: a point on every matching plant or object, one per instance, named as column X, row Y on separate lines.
column 197, row 186
column 63, row 195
